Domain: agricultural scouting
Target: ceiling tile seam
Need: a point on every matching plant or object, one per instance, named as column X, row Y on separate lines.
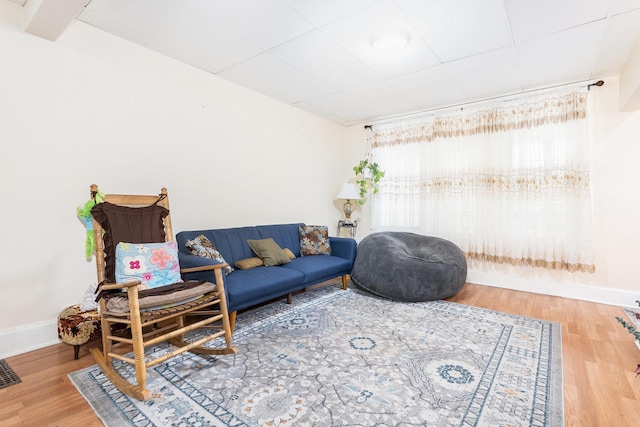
column 512, row 37
column 288, row 6
column 354, row 57
column 145, row 42
column 573, row 27
column 477, row 54
column 260, row 49
column 83, row 8
column 594, row 72
column 410, row 18
column 625, row 12
column 268, row 51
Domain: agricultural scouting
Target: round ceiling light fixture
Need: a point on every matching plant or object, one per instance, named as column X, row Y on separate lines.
column 390, row 41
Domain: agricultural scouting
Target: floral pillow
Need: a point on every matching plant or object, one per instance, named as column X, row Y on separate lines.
column 202, row 246
column 154, row 264
column 314, row 240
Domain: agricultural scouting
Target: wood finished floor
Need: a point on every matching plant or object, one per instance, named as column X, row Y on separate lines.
column 599, row 358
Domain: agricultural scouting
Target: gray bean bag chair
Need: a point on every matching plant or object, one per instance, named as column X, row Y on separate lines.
column 409, row 267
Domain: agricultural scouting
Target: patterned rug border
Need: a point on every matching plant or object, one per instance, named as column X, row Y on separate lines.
column 118, row 412
column 7, row 376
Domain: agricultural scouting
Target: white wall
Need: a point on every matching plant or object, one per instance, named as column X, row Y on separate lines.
column 616, row 197
column 91, row 108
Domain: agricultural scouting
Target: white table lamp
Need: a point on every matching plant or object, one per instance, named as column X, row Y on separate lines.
column 348, row 192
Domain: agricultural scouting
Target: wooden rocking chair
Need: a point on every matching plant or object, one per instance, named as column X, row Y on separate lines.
column 156, row 315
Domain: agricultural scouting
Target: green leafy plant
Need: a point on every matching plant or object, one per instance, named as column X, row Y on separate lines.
column 368, row 175
column 632, row 330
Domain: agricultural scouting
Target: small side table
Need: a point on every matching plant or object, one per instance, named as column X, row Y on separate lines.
column 352, row 226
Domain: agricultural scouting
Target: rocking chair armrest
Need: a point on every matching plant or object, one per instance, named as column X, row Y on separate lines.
column 204, row 268
column 128, row 284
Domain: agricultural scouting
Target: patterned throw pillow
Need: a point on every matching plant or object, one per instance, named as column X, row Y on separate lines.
column 314, row 240
column 202, row 246
column 154, row 264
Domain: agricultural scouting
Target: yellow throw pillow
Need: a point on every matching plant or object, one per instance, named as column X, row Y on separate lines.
column 289, row 253
column 248, row 263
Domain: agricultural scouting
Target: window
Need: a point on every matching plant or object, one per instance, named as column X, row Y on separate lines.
column 506, row 180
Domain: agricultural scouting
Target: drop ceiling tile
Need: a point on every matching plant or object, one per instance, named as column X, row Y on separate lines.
column 382, row 98
column 457, row 29
column 265, row 23
column 621, row 6
column 488, row 74
column 338, row 105
column 321, row 57
column 531, row 19
column 321, row 12
column 430, row 88
column 112, row 7
column 564, row 57
column 622, row 32
column 170, row 28
column 320, row 47
column 355, row 33
column 267, row 74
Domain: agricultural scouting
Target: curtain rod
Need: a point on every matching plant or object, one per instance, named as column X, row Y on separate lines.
column 419, row 113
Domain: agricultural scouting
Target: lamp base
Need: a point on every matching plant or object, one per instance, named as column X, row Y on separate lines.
column 347, row 209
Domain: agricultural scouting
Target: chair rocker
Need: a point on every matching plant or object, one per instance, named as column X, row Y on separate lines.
column 149, row 317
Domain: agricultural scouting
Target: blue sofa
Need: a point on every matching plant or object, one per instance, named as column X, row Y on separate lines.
column 246, row 288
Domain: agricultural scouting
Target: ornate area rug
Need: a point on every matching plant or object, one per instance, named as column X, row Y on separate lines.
column 345, row 358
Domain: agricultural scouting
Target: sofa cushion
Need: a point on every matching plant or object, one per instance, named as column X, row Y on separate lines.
column 314, row 240
column 270, row 252
column 246, row 288
column 317, row 269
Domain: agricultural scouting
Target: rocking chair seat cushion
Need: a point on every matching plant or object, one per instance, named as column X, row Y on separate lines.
column 120, row 303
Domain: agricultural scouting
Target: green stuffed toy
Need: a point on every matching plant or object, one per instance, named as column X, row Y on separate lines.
column 84, row 213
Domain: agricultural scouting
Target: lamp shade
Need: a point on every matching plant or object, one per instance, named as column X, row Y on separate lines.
column 349, row 191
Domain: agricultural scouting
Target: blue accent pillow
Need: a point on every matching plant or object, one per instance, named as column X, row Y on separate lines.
column 154, row 264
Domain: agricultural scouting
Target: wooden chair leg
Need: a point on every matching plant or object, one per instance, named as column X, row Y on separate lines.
column 232, row 320
column 289, row 298
column 344, row 282
column 76, row 351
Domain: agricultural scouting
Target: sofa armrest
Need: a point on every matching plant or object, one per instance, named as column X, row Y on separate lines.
column 194, row 267
column 344, row 247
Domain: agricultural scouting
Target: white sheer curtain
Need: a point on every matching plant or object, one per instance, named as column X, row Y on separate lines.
column 507, row 180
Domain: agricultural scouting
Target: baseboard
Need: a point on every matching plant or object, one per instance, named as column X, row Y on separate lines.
column 609, row 296
column 28, row 338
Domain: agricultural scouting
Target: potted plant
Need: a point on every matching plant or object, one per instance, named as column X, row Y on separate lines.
column 633, row 331
column 368, row 175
